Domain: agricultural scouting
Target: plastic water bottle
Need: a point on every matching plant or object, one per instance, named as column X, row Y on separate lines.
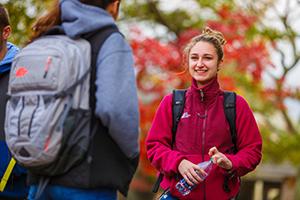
column 184, row 188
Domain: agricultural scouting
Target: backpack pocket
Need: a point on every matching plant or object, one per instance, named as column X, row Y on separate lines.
column 40, row 73
column 45, row 134
column 30, row 123
column 75, row 144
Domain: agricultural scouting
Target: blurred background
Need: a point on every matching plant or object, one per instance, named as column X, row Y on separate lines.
column 261, row 63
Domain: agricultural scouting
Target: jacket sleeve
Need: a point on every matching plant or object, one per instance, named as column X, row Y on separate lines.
column 249, row 141
column 116, row 94
column 158, row 141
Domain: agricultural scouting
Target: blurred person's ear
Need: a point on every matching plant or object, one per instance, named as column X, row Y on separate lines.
column 6, row 32
column 113, row 8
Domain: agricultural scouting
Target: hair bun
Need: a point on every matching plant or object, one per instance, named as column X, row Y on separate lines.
column 215, row 34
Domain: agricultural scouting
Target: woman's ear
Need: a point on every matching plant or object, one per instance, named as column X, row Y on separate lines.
column 219, row 65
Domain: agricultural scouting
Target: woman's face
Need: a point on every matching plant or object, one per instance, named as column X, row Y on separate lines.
column 203, row 62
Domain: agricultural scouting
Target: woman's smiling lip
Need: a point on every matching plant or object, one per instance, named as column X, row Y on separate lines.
column 201, row 70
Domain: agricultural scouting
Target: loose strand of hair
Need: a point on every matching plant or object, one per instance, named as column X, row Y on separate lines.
column 45, row 22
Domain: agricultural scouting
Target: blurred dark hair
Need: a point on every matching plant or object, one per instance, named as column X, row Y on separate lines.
column 52, row 17
column 4, row 19
column 102, row 4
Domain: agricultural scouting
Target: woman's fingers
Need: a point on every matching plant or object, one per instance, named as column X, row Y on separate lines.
column 220, row 159
column 191, row 173
column 221, row 162
column 224, row 162
column 193, row 177
column 212, row 151
column 187, row 179
column 196, row 175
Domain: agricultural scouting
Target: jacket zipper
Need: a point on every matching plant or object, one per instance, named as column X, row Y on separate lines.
column 202, row 95
column 203, row 137
column 203, row 126
column 203, row 145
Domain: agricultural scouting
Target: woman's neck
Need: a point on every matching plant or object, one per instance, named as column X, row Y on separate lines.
column 200, row 85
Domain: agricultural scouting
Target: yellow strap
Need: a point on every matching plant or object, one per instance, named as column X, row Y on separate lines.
column 7, row 173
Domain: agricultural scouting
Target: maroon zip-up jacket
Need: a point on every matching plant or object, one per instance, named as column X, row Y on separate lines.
column 202, row 126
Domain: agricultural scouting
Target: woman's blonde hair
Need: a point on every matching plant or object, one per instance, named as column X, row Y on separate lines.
column 211, row 36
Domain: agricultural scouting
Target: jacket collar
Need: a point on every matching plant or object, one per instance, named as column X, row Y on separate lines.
column 5, row 64
column 208, row 92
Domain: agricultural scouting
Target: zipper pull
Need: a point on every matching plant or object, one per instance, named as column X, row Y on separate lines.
column 48, row 62
column 202, row 95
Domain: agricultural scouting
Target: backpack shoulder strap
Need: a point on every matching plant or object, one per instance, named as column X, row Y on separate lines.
column 97, row 39
column 177, row 110
column 178, row 101
column 7, row 173
column 4, row 79
column 230, row 113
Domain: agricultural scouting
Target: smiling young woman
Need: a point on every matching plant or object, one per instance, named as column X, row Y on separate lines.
column 203, row 132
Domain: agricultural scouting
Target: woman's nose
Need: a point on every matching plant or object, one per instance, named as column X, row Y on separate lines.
column 199, row 62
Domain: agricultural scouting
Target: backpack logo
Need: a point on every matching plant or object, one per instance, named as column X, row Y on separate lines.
column 21, row 72
column 185, row 115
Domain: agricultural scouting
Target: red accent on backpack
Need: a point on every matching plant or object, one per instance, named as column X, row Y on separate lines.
column 21, row 72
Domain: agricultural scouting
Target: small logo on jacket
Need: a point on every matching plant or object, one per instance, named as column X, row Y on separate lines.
column 21, row 72
column 185, row 115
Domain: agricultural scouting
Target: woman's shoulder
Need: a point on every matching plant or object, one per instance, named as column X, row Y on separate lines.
column 241, row 100
column 167, row 99
column 166, row 102
column 242, row 105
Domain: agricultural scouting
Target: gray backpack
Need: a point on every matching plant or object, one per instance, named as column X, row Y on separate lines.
column 47, row 120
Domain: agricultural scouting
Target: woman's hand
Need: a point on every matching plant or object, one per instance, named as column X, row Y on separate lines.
column 189, row 170
column 220, row 159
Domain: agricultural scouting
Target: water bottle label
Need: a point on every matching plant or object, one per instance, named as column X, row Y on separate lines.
column 183, row 187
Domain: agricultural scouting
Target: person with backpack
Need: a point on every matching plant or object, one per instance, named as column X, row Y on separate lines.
column 202, row 131
column 113, row 152
column 13, row 183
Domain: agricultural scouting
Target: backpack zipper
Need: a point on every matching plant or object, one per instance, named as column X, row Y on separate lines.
column 48, row 63
column 47, row 141
column 19, row 117
column 32, row 116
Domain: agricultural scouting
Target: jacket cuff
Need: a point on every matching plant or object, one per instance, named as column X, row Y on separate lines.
column 177, row 162
column 233, row 162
